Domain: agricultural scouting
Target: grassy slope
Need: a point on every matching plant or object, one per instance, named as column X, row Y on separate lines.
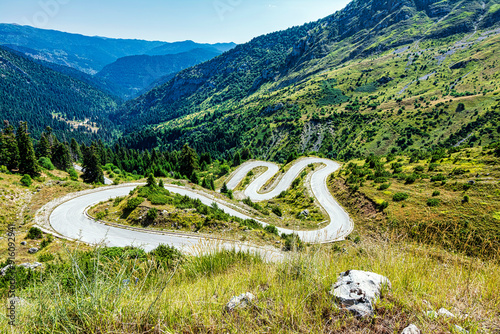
column 275, row 123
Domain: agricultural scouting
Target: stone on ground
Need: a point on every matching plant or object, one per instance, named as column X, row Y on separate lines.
column 240, row 301
column 412, row 329
column 357, row 291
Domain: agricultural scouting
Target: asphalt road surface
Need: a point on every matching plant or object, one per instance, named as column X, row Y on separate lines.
column 69, row 219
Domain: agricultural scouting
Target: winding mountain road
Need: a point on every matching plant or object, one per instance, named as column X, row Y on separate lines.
column 69, row 219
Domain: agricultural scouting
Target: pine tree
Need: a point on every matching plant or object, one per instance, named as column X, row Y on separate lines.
column 224, row 189
column 237, row 159
column 92, row 171
column 188, row 161
column 151, row 180
column 27, row 159
column 61, row 157
column 76, row 153
column 9, row 152
column 43, row 148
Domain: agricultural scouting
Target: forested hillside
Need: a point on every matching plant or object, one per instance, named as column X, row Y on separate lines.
column 42, row 97
column 376, row 77
column 133, row 74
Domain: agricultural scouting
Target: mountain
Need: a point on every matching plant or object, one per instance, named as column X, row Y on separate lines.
column 85, row 53
column 43, row 97
column 185, row 46
column 322, row 86
column 133, row 74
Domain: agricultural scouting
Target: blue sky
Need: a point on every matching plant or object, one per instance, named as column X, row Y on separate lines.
column 206, row 21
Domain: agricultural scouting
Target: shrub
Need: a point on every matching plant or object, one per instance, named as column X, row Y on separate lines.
column 411, row 178
column 466, row 199
column 167, row 255
column 384, row 186
column 46, row 242
column 117, row 201
column 26, row 180
column 271, row 229
column 45, row 162
column 277, row 211
column 292, row 242
column 436, row 193
column 34, row 233
column 46, row 257
column 439, row 177
column 399, row 197
column 152, row 214
column 380, row 180
column 133, row 203
column 433, row 202
column 73, row 175
column 433, row 167
column 419, row 169
column 382, row 205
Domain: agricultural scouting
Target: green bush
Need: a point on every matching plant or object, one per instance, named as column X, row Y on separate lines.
column 433, row 202
column 167, row 255
column 439, row 177
column 152, row 214
column 436, row 193
column 73, row 175
column 133, row 203
column 277, row 211
column 399, row 197
column 466, row 199
column 382, row 205
column 34, row 233
column 411, row 178
column 46, row 257
column 26, row 180
column 419, row 169
column 380, row 180
column 384, row 186
column 45, row 162
column 292, row 242
column 271, row 229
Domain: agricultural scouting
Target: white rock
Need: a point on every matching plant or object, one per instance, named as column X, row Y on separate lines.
column 31, row 266
column 33, row 250
column 357, row 291
column 445, row 313
column 4, row 269
column 461, row 330
column 412, row 329
column 240, row 301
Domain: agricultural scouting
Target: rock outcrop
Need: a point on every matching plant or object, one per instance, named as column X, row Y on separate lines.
column 357, row 291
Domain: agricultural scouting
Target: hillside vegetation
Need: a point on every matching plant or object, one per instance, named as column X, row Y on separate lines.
column 328, row 93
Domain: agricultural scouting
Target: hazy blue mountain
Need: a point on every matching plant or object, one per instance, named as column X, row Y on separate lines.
column 179, row 47
column 133, row 74
column 85, row 53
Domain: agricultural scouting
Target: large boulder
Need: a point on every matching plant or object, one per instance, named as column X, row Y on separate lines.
column 240, row 301
column 357, row 291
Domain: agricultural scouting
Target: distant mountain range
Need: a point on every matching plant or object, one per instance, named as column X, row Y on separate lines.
column 130, row 65
column 85, row 53
column 133, row 74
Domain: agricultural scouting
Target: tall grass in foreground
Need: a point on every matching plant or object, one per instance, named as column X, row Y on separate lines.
column 292, row 296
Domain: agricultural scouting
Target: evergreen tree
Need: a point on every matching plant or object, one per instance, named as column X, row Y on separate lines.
column 237, row 159
column 188, row 161
column 9, row 152
column 224, row 189
column 43, row 148
column 76, row 154
column 61, row 157
column 151, row 180
column 92, row 171
column 27, row 159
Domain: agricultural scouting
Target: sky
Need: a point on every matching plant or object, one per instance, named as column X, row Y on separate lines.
column 204, row 21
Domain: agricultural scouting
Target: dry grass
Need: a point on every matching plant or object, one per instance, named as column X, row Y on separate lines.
column 292, row 297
